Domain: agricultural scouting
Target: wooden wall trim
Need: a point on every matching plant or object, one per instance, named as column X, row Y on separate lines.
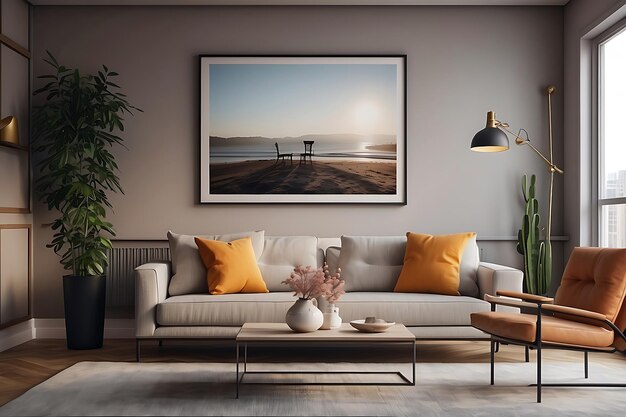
column 30, row 272
column 16, row 47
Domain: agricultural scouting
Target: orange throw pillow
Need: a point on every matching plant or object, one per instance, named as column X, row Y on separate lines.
column 431, row 263
column 231, row 266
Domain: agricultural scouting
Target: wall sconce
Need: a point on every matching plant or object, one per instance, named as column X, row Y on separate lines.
column 9, row 131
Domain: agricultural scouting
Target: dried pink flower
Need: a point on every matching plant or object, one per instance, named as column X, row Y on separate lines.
column 306, row 282
column 333, row 285
column 309, row 283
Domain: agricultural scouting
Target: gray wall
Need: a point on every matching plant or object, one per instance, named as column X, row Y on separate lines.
column 462, row 61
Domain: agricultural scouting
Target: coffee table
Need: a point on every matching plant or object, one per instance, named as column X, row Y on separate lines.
column 280, row 334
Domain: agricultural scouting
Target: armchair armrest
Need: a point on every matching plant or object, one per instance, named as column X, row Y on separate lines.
column 493, row 278
column 509, row 302
column 571, row 311
column 526, row 297
column 504, row 300
column 151, row 282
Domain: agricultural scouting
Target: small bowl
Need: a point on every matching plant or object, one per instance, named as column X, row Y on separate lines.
column 378, row 327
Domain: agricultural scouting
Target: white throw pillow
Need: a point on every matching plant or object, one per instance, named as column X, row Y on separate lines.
column 371, row 263
column 189, row 273
column 282, row 254
column 468, row 269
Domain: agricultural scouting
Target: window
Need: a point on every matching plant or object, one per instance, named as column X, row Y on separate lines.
column 612, row 139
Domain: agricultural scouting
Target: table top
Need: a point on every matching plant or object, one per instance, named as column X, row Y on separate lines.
column 280, row 332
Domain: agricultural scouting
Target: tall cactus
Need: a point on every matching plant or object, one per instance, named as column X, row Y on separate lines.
column 537, row 253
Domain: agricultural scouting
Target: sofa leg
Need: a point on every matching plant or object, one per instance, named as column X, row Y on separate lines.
column 492, row 359
column 160, row 342
column 138, row 350
column 527, row 353
column 586, row 365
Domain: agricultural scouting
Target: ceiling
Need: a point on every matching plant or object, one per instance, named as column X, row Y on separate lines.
column 306, row 2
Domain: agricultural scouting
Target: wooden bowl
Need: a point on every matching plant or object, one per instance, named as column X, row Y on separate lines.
column 378, row 327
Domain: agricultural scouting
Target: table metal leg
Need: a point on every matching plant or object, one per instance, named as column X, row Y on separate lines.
column 414, row 360
column 237, row 371
column 244, row 370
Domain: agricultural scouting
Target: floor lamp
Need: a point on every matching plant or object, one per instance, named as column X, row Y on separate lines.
column 493, row 138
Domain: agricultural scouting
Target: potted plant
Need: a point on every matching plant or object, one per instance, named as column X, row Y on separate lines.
column 537, row 253
column 74, row 130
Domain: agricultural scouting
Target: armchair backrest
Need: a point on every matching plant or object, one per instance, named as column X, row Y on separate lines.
column 595, row 280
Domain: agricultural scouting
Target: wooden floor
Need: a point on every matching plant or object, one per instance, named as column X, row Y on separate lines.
column 29, row 364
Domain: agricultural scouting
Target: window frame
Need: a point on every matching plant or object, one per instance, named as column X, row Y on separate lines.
column 597, row 131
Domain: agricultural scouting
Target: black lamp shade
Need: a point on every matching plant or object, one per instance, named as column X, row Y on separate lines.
column 490, row 139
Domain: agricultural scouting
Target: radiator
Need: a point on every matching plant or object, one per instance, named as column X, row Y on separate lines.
column 119, row 273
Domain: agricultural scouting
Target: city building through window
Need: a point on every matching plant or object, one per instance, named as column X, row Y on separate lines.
column 612, row 140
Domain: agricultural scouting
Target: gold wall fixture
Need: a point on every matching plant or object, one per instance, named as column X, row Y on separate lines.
column 9, row 131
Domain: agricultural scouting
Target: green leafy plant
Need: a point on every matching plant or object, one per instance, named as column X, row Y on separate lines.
column 74, row 130
column 537, row 253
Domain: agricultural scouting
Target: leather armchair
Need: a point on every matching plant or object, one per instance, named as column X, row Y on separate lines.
column 587, row 314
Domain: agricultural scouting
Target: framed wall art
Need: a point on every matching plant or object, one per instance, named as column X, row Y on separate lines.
column 303, row 129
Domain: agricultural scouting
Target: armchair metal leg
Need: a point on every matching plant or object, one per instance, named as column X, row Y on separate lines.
column 492, row 359
column 539, row 372
column 497, row 347
column 586, row 365
column 526, row 354
column 538, row 342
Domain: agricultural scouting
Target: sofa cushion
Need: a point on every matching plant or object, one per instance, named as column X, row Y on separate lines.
column 282, row 254
column 224, row 310
column 432, row 263
column 468, row 268
column 237, row 309
column 371, row 263
column 231, row 266
column 189, row 273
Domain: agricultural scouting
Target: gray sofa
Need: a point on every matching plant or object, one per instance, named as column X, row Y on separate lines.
column 370, row 267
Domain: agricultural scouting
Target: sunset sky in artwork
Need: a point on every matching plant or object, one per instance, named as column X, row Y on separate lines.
column 281, row 100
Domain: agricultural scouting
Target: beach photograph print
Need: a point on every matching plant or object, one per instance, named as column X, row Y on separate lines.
column 303, row 129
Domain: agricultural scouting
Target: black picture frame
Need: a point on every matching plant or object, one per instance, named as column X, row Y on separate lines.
column 229, row 176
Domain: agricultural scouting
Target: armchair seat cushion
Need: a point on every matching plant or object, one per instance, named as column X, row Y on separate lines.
column 523, row 327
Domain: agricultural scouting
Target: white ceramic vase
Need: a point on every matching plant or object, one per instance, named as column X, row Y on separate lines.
column 331, row 317
column 304, row 316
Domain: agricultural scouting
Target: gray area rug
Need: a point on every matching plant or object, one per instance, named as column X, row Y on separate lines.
column 106, row 388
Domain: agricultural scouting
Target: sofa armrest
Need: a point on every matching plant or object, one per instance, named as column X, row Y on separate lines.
column 493, row 278
column 151, row 282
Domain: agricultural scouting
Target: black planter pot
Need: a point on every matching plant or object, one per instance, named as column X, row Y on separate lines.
column 84, row 299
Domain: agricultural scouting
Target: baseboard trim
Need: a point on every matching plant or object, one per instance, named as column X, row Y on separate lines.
column 17, row 334
column 113, row 329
